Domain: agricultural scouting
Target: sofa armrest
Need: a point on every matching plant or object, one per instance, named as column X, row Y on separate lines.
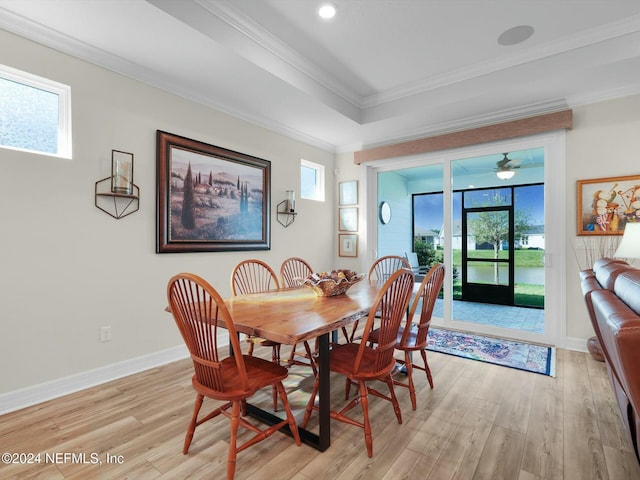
column 619, row 327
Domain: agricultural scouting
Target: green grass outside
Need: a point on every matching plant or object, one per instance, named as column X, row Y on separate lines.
column 524, row 294
column 523, row 258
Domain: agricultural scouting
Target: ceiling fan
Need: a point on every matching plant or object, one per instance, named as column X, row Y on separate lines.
column 505, row 168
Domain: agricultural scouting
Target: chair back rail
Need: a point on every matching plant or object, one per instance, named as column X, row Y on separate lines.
column 389, row 309
column 426, row 297
column 293, row 269
column 379, row 272
column 253, row 276
column 198, row 310
column 383, row 267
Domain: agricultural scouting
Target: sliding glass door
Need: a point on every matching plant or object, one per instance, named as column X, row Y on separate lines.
column 490, row 232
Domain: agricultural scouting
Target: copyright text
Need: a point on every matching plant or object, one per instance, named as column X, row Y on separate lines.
column 61, row 458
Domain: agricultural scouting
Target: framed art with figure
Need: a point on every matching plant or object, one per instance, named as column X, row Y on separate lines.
column 348, row 245
column 605, row 205
column 210, row 198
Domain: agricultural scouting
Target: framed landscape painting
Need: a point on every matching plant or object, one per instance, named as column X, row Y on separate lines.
column 210, row 198
column 605, row 205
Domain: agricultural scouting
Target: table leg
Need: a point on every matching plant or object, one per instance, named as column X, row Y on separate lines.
column 322, row 441
column 324, row 400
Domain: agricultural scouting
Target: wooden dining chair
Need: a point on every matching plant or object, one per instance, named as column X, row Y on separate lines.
column 254, row 276
column 200, row 312
column 381, row 269
column 292, row 271
column 413, row 336
column 361, row 363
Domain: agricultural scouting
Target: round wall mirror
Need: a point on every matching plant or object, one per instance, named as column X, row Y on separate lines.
column 385, row 213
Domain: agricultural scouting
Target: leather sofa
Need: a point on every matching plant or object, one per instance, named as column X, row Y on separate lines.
column 612, row 294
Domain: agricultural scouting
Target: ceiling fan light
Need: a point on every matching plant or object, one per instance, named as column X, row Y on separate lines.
column 505, row 174
column 327, row 11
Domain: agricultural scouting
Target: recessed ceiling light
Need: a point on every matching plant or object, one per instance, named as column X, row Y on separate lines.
column 327, row 11
column 515, row 35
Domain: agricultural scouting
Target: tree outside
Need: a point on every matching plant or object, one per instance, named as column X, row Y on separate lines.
column 425, row 251
column 493, row 227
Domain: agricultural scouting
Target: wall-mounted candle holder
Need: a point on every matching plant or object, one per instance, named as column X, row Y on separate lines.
column 286, row 210
column 117, row 195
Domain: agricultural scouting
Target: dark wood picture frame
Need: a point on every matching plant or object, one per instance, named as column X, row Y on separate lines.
column 229, row 198
column 605, row 205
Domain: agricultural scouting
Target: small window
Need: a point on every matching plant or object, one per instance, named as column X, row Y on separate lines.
column 35, row 113
column 311, row 181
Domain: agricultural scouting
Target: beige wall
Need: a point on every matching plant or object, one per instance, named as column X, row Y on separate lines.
column 605, row 142
column 67, row 268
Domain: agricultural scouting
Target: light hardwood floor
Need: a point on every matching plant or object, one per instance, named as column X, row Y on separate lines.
column 480, row 421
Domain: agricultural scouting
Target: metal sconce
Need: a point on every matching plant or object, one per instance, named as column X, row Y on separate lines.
column 286, row 210
column 117, row 195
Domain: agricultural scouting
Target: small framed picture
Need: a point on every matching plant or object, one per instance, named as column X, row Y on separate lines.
column 348, row 219
column 349, row 193
column 348, row 245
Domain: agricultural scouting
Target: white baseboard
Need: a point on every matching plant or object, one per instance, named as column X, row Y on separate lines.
column 25, row 397
column 577, row 344
column 32, row 395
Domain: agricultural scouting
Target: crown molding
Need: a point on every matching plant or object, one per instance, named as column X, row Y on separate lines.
column 225, row 10
column 603, row 96
column 234, row 31
column 36, row 32
column 600, row 34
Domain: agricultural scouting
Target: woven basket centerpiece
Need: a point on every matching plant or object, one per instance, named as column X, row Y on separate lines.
column 334, row 283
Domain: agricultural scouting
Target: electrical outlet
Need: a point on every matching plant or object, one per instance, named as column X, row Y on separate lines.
column 105, row 334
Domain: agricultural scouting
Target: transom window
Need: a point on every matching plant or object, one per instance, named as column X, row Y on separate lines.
column 311, row 181
column 35, row 113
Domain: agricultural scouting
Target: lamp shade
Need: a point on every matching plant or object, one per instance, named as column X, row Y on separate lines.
column 630, row 245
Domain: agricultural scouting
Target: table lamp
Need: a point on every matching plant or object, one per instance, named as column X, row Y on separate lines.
column 630, row 245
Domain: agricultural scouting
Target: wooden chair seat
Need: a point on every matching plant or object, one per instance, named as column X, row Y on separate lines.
column 263, row 342
column 260, row 374
column 411, row 342
column 341, row 361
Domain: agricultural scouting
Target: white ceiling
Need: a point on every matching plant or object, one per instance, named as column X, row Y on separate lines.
column 381, row 71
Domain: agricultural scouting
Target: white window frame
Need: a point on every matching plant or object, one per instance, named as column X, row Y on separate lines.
column 64, row 107
column 319, row 194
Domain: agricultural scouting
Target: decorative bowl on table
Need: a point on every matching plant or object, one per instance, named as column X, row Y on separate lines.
column 329, row 284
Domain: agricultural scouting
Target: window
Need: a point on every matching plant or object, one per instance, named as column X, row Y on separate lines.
column 311, row 181
column 35, row 113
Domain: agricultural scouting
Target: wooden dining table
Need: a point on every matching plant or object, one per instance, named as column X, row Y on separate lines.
column 293, row 315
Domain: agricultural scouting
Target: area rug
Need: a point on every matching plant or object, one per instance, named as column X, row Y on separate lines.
column 508, row 353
